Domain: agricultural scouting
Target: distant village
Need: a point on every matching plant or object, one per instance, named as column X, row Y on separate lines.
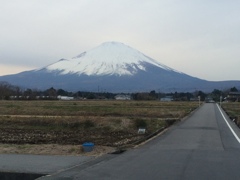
column 10, row 92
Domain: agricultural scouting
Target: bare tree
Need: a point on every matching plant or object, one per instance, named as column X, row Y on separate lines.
column 5, row 90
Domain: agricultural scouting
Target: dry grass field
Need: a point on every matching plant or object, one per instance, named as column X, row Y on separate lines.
column 105, row 123
column 233, row 111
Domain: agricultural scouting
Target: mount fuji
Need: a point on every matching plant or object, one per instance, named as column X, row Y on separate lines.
column 112, row 67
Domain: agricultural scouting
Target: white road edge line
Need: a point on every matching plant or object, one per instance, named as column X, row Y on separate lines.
column 235, row 135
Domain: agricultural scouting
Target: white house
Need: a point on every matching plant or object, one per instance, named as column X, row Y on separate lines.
column 167, row 99
column 122, row 97
column 65, row 98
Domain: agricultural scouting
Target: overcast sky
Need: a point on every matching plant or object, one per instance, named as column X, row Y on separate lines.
column 198, row 37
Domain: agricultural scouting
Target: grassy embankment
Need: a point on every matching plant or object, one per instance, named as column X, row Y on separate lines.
column 108, row 123
column 233, row 111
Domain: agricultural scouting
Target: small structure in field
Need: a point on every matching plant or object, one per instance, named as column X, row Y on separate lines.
column 233, row 96
column 65, row 98
column 141, row 130
column 167, row 99
column 122, row 97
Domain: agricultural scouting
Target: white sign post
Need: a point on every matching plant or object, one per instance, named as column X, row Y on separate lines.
column 199, row 98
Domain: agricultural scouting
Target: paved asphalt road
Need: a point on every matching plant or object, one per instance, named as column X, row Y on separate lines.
column 38, row 164
column 201, row 147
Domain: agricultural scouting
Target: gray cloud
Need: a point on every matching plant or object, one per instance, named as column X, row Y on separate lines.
column 186, row 35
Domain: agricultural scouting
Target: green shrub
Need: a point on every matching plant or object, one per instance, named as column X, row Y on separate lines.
column 140, row 123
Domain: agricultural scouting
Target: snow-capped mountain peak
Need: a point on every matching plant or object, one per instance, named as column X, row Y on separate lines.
column 109, row 58
column 114, row 67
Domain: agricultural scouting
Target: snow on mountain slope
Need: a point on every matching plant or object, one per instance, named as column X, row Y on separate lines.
column 110, row 58
column 114, row 67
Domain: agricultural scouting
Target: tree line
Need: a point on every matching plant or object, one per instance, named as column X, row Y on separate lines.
column 8, row 91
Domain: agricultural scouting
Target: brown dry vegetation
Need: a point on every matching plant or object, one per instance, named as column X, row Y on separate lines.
column 105, row 123
column 233, row 111
column 53, row 149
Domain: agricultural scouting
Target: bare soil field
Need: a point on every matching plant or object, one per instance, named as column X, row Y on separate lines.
column 60, row 127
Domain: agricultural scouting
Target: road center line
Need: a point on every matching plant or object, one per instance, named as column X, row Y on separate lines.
column 235, row 135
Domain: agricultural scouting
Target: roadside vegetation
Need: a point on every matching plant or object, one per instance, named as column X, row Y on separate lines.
column 233, row 111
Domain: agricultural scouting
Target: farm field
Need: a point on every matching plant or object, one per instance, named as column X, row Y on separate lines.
column 106, row 123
